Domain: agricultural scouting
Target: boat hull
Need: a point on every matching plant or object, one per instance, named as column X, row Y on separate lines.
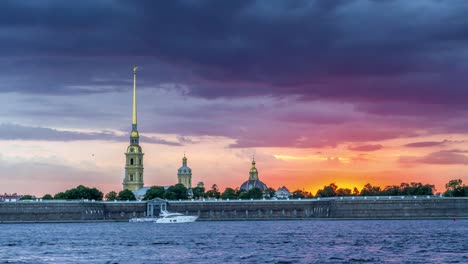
column 177, row 220
column 142, row 220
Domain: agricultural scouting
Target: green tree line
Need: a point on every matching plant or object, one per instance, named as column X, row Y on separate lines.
column 454, row 188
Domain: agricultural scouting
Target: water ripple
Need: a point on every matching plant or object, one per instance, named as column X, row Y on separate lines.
column 436, row 241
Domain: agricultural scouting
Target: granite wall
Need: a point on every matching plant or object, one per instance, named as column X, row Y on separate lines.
column 371, row 208
column 70, row 211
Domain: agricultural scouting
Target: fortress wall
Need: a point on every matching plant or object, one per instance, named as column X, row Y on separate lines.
column 69, row 211
column 252, row 210
column 123, row 211
column 400, row 208
column 371, row 208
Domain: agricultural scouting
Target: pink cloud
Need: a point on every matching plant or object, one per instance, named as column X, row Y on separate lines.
column 365, row 147
column 444, row 157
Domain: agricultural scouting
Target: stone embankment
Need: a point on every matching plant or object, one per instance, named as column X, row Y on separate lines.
column 69, row 211
column 430, row 207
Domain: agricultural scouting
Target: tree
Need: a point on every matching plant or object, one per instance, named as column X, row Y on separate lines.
column 355, row 191
column 27, row 197
column 47, row 197
column 455, row 188
column 214, row 192
column 126, row 195
column 178, row 191
column 327, row 191
column 271, row 192
column 154, row 192
column 243, row 195
column 298, row 194
column 198, row 192
column 60, row 196
column 111, row 196
column 170, row 195
column 80, row 192
column 229, row 193
column 370, row 190
column 343, row 192
column 255, row 193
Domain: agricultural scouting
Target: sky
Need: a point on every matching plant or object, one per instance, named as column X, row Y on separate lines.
column 345, row 92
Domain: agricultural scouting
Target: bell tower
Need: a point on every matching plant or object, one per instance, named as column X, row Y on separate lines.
column 184, row 174
column 134, row 156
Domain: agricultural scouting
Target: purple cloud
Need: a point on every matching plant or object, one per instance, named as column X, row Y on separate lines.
column 20, row 132
column 365, row 147
column 425, row 144
column 444, row 157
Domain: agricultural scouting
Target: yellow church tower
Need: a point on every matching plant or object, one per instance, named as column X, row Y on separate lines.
column 134, row 156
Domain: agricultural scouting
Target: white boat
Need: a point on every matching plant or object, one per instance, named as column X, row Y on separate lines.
column 168, row 218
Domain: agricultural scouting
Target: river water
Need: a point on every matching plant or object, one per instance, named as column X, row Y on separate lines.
column 409, row 241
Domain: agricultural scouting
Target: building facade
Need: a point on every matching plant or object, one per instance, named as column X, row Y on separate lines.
column 282, row 193
column 184, row 174
column 133, row 179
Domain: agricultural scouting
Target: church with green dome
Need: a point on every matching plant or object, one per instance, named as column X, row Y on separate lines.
column 184, row 174
column 253, row 181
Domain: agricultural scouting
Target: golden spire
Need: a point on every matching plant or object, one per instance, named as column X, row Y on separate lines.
column 134, row 115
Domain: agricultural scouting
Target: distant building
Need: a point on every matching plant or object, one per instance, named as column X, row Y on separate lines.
column 133, row 179
column 253, row 181
column 184, row 174
column 282, row 193
column 10, row 197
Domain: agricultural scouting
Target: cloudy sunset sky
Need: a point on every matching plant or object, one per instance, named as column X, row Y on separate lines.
column 327, row 91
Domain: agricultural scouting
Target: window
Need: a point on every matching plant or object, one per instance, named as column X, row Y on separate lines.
column 140, row 161
column 131, row 161
column 131, row 177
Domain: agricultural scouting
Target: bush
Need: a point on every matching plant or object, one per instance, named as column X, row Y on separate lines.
column 126, row 195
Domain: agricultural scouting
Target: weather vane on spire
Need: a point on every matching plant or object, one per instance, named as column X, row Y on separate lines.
column 134, row 68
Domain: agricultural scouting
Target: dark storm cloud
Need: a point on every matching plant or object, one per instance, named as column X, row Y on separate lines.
column 317, row 49
column 401, row 59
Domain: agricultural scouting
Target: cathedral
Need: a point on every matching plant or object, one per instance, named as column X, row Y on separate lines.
column 133, row 179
